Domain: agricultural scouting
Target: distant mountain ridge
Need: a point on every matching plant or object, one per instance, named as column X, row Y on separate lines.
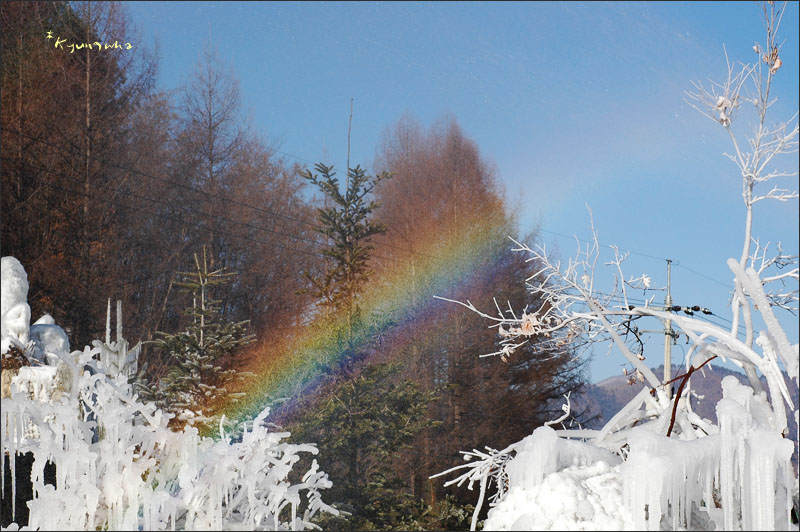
column 606, row 397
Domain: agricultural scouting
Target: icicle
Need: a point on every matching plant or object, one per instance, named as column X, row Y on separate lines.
column 218, row 484
column 474, row 522
column 119, row 322
column 108, row 323
column 13, row 463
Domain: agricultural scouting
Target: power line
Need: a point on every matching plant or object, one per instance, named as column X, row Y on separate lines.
column 705, row 276
column 183, row 186
column 272, row 244
column 198, row 225
column 311, row 224
column 183, row 208
column 193, row 189
column 655, row 257
column 293, row 156
column 619, row 298
column 573, row 238
column 260, row 228
column 166, row 216
column 704, row 315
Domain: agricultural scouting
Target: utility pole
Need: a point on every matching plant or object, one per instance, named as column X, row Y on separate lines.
column 668, row 333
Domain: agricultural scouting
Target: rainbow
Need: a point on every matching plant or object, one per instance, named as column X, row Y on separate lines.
column 395, row 301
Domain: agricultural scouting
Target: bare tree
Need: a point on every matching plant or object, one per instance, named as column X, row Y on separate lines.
column 64, row 109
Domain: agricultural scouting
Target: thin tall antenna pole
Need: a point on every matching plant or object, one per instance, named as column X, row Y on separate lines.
column 349, row 127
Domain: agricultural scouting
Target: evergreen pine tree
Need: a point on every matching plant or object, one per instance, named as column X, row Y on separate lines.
column 197, row 376
column 360, row 427
column 347, row 225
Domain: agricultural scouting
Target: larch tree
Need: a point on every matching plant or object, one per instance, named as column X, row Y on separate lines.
column 62, row 150
column 241, row 199
column 210, row 139
column 444, row 194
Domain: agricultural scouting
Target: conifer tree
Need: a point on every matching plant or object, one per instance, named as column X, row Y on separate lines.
column 197, row 375
column 346, row 221
column 360, row 426
column 348, row 226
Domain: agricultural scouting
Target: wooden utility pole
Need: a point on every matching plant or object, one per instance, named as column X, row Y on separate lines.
column 668, row 333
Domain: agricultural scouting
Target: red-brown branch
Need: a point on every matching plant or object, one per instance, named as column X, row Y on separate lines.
column 685, row 377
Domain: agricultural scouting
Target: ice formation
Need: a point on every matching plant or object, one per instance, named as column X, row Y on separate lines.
column 50, row 342
column 15, row 284
column 587, row 497
column 15, row 314
column 656, row 464
column 119, row 467
column 558, row 484
column 44, row 340
column 740, row 478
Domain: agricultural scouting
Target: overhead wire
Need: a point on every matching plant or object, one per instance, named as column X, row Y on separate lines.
column 159, row 214
column 199, row 191
column 315, row 243
column 185, row 209
column 618, row 297
column 184, row 186
column 306, row 222
column 700, row 315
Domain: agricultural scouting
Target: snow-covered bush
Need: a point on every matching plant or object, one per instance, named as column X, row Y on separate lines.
column 118, row 465
column 656, row 464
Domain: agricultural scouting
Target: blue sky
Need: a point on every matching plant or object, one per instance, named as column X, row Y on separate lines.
column 575, row 103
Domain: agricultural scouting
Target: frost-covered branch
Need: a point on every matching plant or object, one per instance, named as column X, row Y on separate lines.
column 566, row 408
column 779, row 268
column 757, row 169
column 489, row 465
column 137, row 474
column 719, row 101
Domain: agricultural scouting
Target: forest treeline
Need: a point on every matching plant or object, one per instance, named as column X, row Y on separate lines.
column 111, row 185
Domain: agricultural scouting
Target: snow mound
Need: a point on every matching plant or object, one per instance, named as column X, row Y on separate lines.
column 49, row 342
column 581, row 497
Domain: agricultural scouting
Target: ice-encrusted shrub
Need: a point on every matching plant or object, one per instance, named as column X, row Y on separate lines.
column 138, row 474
